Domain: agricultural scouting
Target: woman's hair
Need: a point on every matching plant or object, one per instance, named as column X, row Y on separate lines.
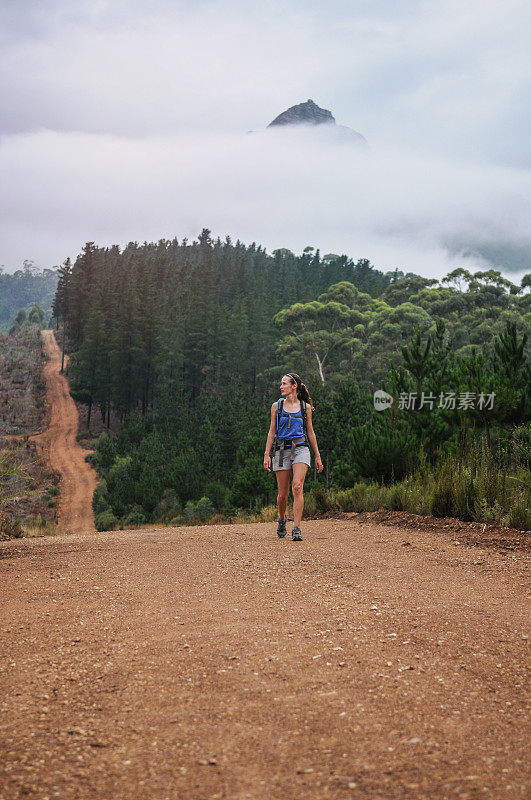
column 302, row 391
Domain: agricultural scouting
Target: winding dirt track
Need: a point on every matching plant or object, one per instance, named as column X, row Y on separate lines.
column 218, row 662
column 58, row 441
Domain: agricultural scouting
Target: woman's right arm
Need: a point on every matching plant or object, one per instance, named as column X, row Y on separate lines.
column 270, row 437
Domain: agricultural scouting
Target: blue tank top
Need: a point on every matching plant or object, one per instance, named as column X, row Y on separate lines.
column 290, row 426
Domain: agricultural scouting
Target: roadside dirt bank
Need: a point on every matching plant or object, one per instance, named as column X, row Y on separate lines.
column 367, row 661
column 475, row 534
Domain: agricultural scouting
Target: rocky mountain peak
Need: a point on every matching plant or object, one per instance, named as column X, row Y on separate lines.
column 308, row 113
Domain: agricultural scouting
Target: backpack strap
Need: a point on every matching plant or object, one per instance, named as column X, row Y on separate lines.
column 280, row 406
column 303, row 409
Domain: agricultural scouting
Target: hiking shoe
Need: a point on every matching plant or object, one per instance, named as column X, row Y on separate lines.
column 281, row 529
column 296, row 534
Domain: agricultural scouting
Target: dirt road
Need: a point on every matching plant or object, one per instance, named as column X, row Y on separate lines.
column 58, row 442
column 220, row 662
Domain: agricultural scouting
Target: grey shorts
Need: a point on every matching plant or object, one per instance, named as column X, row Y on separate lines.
column 301, row 456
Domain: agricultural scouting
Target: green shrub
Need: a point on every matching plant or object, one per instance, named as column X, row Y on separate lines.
column 396, row 498
column 417, row 498
column 251, row 482
column 106, row 452
column 175, row 513
column 269, row 513
column 491, row 481
column 409, row 494
column 321, row 498
column 519, row 515
column 376, row 497
column 197, row 512
column 217, row 494
column 106, row 521
column 465, row 495
column 100, row 498
column 36, row 314
column 352, row 499
column 366, row 497
column 168, row 506
column 488, row 514
column 204, row 509
column 522, row 444
column 121, row 484
column 134, row 519
column 319, row 501
column 442, row 495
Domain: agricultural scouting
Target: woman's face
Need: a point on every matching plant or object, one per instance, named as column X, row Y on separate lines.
column 286, row 385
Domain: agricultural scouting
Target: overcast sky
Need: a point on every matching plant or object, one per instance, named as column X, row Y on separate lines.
column 128, row 121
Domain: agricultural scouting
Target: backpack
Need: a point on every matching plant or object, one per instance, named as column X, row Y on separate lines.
column 280, row 406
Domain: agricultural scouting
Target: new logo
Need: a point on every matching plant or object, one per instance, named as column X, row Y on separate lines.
column 382, row 400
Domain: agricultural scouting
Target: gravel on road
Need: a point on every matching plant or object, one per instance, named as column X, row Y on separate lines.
column 366, row 661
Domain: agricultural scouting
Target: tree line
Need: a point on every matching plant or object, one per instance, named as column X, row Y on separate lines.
column 184, row 344
column 24, row 289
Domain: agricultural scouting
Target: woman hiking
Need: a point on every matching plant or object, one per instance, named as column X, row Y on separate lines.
column 291, row 429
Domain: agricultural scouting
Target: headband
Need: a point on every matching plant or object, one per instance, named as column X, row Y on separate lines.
column 298, row 382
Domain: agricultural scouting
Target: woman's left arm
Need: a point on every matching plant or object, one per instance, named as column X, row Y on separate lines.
column 313, row 439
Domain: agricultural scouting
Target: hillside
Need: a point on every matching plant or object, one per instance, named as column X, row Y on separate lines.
column 28, row 485
column 22, row 388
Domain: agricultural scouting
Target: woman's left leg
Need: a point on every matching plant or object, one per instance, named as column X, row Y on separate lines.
column 297, row 486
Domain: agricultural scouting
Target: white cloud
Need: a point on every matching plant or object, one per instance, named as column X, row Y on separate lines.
column 438, row 74
column 150, row 102
column 284, row 188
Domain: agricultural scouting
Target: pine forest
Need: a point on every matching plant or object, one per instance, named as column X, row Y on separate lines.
column 177, row 350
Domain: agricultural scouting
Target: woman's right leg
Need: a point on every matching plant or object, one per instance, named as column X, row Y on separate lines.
column 283, row 476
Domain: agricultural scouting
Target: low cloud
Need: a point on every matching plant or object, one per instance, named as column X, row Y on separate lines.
column 282, row 188
column 122, row 120
column 441, row 77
